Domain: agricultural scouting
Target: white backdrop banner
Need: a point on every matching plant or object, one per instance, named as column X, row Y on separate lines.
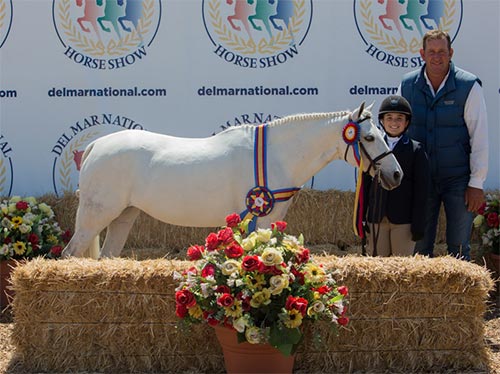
column 75, row 70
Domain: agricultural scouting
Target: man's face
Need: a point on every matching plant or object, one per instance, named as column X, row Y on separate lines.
column 437, row 57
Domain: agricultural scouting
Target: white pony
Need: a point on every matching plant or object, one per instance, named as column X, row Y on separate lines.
column 197, row 182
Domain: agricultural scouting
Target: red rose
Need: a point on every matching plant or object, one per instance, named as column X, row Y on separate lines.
column 209, row 317
column 250, row 263
column 298, row 275
column 343, row 290
column 225, row 300
column 33, row 239
column 245, row 302
column 297, row 303
column 180, row 310
column 343, row 321
column 7, row 240
column 323, row 290
column 279, row 225
column 66, row 236
column 303, row 256
column 222, row 289
column 492, row 219
column 482, row 208
column 194, row 252
column 22, row 205
column 185, row 298
column 225, row 235
column 208, row 270
column 211, row 242
column 56, row 250
column 234, row 250
column 233, row 220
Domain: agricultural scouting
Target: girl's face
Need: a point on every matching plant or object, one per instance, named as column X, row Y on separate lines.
column 394, row 123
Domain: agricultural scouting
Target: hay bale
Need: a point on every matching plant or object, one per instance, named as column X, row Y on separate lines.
column 321, row 216
column 407, row 314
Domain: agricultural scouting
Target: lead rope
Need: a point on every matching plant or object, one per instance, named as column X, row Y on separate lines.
column 377, row 193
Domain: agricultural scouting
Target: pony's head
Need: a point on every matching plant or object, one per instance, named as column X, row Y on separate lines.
column 376, row 157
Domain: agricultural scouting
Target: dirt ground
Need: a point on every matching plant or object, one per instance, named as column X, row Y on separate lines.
column 9, row 364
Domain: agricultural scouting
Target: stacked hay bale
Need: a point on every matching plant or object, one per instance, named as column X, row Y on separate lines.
column 407, row 314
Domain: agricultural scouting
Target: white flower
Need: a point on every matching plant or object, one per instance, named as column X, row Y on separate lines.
column 240, row 324
column 271, row 256
column 24, row 228
column 230, row 266
column 45, row 209
column 278, row 283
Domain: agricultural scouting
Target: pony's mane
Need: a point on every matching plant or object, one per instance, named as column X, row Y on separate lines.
column 307, row 116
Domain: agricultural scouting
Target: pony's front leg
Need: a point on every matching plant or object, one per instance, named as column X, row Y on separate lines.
column 117, row 232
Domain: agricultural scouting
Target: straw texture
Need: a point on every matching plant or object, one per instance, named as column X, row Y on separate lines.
column 407, row 314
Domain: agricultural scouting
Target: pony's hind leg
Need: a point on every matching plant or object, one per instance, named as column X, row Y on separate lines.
column 117, row 232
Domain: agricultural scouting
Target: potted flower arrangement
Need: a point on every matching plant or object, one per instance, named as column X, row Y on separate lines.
column 487, row 222
column 261, row 286
column 27, row 229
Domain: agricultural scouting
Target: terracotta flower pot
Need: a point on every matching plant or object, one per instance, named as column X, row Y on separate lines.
column 251, row 358
column 6, row 293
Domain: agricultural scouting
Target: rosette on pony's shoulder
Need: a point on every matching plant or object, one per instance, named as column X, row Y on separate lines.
column 265, row 285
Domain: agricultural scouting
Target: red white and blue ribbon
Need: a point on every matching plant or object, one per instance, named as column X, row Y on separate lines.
column 351, row 136
column 260, row 199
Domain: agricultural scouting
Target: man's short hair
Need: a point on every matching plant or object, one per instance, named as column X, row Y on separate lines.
column 436, row 35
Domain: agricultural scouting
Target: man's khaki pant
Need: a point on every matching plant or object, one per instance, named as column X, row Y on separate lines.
column 390, row 239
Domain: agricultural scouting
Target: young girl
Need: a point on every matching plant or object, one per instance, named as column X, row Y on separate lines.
column 396, row 218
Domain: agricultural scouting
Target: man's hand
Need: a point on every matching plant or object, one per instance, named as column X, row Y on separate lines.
column 474, row 198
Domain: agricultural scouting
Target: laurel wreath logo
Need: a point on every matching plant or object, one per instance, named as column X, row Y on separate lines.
column 89, row 46
column 2, row 15
column 278, row 42
column 67, row 160
column 3, row 177
column 393, row 44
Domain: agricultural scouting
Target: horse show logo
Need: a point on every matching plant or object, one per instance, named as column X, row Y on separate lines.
column 257, row 33
column 393, row 29
column 70, row 146
column 256, row 118
column 106, row 34
column 6, row 170
column 5, row 20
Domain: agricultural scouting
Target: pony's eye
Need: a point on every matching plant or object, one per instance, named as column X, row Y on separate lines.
column 369, row 138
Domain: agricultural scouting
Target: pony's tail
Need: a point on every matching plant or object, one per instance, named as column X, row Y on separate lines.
column 93, row 250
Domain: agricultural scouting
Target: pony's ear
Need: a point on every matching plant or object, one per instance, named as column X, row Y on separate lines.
column 369, row 107
column 356, row 114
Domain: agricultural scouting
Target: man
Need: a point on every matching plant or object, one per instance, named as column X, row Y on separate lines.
column 449, row 118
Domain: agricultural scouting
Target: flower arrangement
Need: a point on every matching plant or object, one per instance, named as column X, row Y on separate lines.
column 29, row 229
column 487, row 222
column 264, row 285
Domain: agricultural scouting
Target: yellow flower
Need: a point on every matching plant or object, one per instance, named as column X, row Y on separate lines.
column 249, row 243
column 314, row 274
column 52, row 239
column 19, row 248
column 255, row 282
column 271, row 256
column 315, row 308
column 196, row 312
column 293, row 319
column 235, row 310
column 16, row 221
column 264, row 235
column 261, row 298
column 278, row 283
column 253, row 335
